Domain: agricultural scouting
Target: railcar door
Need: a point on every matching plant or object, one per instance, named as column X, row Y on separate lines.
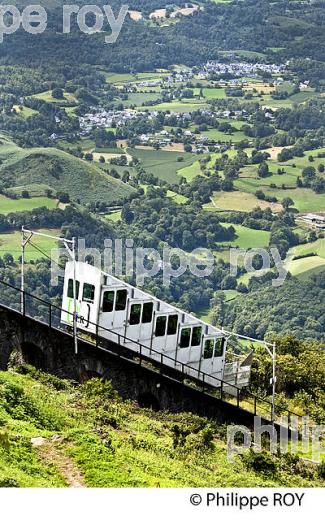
column 133, row 321
column 112, row 312
column 189, row 346
column 164, row 336
column 213, row 357
column 147, row 317
column 87, row 298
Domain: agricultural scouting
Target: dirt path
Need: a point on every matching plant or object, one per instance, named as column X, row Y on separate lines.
column 51, row 451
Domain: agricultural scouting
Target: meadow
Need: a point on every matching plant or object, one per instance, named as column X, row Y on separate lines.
column 48, row 98
column 249, row 238
column 10, row 243
column 238, row 201
column 186, row 105
column 24, row 111
column 8, row 205
column 190, row 172
column 164, row 165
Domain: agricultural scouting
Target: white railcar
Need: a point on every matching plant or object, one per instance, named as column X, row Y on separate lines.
column 127, row 315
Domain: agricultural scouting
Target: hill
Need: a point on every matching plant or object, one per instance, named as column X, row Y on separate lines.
column 38, row 169
column 55, row 435
column 296, row 307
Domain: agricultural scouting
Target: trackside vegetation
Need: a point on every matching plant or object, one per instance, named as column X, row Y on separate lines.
column 53, row 434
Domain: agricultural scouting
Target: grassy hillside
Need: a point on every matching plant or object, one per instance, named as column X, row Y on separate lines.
column 54, row 434
column 59, row 171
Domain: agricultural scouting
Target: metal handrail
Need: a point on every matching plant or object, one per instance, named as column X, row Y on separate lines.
column 256, row 398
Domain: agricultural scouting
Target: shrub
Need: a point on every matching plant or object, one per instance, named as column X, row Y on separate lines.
column 8, row 482
column 261, row 462
column 321, row 470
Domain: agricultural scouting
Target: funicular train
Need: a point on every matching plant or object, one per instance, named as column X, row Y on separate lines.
column 110, row 307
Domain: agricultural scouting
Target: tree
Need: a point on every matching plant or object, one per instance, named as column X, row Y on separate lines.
column 309, row 172
column 229, row 282
column 263, row 169
column 287, row 202
column 64, row 198
column 57, row 93
column 8, row 259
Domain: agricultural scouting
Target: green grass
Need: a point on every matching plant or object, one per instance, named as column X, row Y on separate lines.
column 24, row 111
column 10, row 243
column 214, row 93
column 303, row 267
column 249, row 238
column 82, row 180
column 317, row 247
column 177, row 197
column 190, row 172
column 179, row 106
column 164, row 165
column 305, row 200
column 110, row 443
column 114, row 217
column 48, row 98
column 120, row 78
column 236, row 201
column 13, row 205
column 138, row 100
column 215, row 135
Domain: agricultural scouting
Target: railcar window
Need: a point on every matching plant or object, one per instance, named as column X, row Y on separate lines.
column 160, row 326
column 108, row 301
column 88, row 294
column 185, row 338
column 120, row 303
column 208, row 348
column 196, row 336
column 218, row 351
column 172, row 324
column 70, row 288
column 147, row 312
column 135, row 314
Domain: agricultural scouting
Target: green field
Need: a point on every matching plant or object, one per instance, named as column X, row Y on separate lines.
column 301, row 268
column 215, row 135
column 161, row 164
column 304, row 267
column 12, row 205
column 114, row 217
column 120, row 78
column 317, row 247
column 238, row 201
column 214, row 93
column 249, row 238
column 178, row 106
column 48, row 98
column 139, row 99
column 10, row 243
column 24, row 111
column 177, row 197
column 305, row 199
column 190, row 172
